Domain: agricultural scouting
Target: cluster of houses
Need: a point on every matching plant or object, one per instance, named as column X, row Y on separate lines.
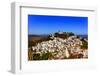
column 61, row 48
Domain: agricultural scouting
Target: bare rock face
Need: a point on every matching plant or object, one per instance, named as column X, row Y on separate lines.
column 61, row 48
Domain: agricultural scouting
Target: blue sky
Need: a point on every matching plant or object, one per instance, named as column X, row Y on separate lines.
column 44, row 24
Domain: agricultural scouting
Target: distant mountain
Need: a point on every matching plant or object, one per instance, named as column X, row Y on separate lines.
column 83, row 36
column 42, row 35
column 46, row 35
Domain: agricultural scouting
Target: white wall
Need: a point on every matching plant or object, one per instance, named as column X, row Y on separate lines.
column 5, row 33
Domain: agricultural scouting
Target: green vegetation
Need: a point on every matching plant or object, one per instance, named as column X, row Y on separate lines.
column 85, row 44
column 64, row 35
column 43, row 56
column 36, row 57
column 46, row 56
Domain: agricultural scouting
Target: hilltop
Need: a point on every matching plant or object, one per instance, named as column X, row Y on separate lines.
column 59, row 45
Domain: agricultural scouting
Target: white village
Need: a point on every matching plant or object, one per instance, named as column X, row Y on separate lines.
column 59, row 48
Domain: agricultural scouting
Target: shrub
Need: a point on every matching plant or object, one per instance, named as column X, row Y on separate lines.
column 36, row 56
column 64, row 35
column 85, row 44
column 44, row 56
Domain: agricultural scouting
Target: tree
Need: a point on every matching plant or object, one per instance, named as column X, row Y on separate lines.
column 85, row 44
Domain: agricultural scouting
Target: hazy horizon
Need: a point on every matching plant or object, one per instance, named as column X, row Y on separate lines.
column 50, row 33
